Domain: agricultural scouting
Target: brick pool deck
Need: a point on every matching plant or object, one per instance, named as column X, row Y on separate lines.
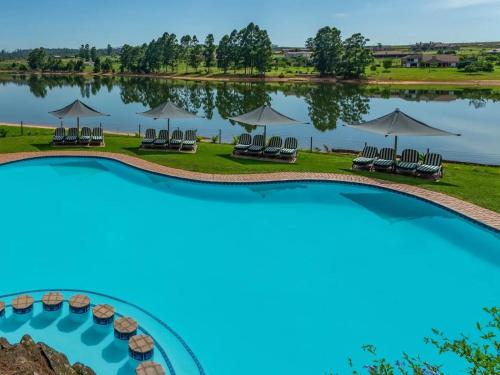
column 482, row 215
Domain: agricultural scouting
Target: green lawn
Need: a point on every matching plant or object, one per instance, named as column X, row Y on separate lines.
column 477, row 184
column 432, row 74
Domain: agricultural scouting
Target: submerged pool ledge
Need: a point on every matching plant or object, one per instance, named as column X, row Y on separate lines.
column 480, row 215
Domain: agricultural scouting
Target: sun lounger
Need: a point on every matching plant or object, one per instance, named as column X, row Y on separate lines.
column 149, row 138
column 176, row 140
column 385, row 160
column 85, row 136
column 257, row 145
column 408, row 163
column 162, row 139
column 97, row 137
column 59, row 135
column 72, row 137
column 189, row 142
column 244, row 142
column 274, row 146
column 431, row 167
column 366, row 159
column 290, row 148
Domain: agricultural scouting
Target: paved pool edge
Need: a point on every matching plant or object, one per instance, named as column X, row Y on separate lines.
column 483, row 216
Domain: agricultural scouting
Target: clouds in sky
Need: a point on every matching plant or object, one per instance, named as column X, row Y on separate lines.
column 457, row 4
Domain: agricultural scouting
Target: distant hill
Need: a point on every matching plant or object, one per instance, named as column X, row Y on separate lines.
column 60, row 52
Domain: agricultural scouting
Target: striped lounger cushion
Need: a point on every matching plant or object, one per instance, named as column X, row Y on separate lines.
column 407, row 165
column 363, row 160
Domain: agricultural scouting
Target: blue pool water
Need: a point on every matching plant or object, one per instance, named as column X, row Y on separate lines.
column 288, row 278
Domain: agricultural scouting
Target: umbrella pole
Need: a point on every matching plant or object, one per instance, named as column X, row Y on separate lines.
column 265, row 132
column 78, row 124
column 168, row 130
column 395, row 149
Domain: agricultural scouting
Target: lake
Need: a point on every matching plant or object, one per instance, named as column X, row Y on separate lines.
column 472, row 112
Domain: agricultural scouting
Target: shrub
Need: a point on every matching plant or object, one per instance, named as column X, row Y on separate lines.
column 387, row 64
column 215, row 139
column 3, row 132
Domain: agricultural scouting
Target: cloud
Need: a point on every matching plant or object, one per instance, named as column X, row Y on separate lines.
column 457, row 4
column 340, row 15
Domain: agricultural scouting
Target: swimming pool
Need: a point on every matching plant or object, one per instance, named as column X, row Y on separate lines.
column 260, row 278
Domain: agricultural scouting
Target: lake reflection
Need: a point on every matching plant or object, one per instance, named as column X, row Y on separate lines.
column 473, row 112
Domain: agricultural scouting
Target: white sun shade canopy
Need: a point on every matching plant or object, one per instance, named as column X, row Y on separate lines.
column 168, row 110
column 77, row 109
column 265, row 115
column 398, row 123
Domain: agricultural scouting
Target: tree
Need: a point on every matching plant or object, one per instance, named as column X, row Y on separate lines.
column 97, row 64
column 209, row 52
column 224, row 54
column 356, row 56
column 263, row 51
column 327, row 50
column 195, row 53
column 387, row 64
column 87, row 52
column 93, row 54
column 184, row 49
column 109, row 50
column 36, row 58
column 107, row 65
column 81, row 53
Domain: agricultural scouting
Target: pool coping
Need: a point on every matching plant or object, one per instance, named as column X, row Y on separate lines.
column 470, row 211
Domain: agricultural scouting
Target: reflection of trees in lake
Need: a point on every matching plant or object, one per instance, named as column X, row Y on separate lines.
column 328, row 104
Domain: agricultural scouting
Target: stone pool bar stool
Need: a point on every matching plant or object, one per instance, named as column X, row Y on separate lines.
column 79, row 304
column 52, row 301
column 22, row 305
column 103, row 315
column 141, row 347
column 149, row 368
column 125, row 328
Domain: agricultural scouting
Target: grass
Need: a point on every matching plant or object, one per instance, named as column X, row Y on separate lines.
column 432, row 74
column 473, row 183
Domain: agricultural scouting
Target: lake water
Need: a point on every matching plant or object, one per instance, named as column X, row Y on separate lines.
column 472, row 112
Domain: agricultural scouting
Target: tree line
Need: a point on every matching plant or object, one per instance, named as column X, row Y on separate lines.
column 248, row 49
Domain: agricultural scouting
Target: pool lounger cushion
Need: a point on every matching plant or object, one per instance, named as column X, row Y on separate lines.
column 368, row 156
column 274, row 146
column 59, row 136
column 85, row 136
column 408, row 162
column 289, row 150
column 162, row 139
column 189, row 141
column 244, row 142
column 149, row 138
column 97, row 136
column 176, row 140
column 386, row 159
column 72, row 136
column 257, row 145
column 431, row 166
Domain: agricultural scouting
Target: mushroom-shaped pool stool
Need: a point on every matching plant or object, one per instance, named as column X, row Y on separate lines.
column 103, row 316
column 149, row 368
column 79, row 307
column 124, row 329
column 22, row 307
column 52, row 301
column 141, row 347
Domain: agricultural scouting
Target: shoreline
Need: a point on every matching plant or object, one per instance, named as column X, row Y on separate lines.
column 313, row 79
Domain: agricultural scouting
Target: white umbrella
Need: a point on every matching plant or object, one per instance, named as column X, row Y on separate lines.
column 264, row 116
column 76, row 109
column 397, row 124
column 168, row 110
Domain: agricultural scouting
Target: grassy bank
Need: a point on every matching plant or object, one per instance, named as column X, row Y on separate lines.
column 476, row 184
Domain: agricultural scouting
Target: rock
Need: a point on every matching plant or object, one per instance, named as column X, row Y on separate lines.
column 30, row 358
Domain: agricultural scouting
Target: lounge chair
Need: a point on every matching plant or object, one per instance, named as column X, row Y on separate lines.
column 59, row 135
column 176, row 139
column 149, row 138
column 72, row 137
column 274, row 147
column 189, row 142
column 257, row 145
column 385, row 160
column 290, row 148
column 431, row 167
column 85, row 136
column 408, row 163
column 97, row 137
column 162, row 139
column 244, row 142
column 366, row 159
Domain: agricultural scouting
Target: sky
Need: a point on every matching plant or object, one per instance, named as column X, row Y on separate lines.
column 69, row 23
